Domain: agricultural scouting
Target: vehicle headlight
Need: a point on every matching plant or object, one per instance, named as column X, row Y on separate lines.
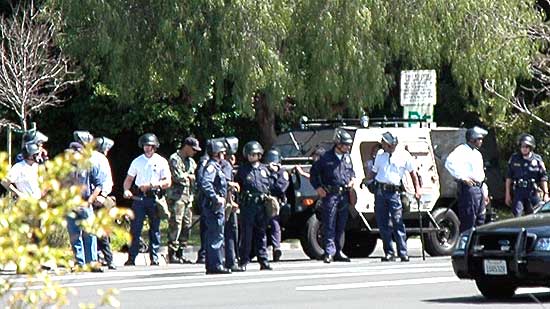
column 463, row 241
column 543, row 244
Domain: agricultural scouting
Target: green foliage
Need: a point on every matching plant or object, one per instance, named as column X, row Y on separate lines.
column 29, row 229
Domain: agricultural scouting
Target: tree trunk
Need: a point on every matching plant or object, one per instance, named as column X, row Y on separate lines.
column 265, row 118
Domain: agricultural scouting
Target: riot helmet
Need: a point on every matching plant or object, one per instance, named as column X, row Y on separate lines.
column 527, row 139
column 148, row 139
column 232, row 144
column 341, row 136
column 390, row 139
column 475, row 133
column 215, row 146
column 272, row 156
column 252, row 147
column 34, row 136
column 82, row 137
column 30, row 150
column 103, row 144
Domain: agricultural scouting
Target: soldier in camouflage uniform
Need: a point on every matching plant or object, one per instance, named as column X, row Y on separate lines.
column 180, row 199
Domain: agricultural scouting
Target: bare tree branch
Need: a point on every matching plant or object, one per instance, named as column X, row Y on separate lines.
column 34, row 73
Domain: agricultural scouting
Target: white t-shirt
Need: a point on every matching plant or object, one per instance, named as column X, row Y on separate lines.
column 390, row 170
column 25, row 178
column 149, row 170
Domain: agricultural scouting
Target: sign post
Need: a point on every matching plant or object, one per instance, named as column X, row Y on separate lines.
column 418, row 94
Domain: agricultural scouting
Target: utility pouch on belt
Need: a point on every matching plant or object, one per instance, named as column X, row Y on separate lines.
column 161, row 204
column 272, row 206
column 405, row 201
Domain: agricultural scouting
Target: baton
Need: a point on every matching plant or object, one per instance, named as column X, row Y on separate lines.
column 421, row 229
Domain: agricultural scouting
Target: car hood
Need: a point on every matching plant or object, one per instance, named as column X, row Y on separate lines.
column 535, row 223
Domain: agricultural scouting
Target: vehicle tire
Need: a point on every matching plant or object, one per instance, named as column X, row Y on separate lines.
column 312, row 239
column 360, row 244
column 495, row 289
column 443, row 242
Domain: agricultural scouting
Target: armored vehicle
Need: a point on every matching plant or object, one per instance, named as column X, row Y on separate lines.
column 435, row 217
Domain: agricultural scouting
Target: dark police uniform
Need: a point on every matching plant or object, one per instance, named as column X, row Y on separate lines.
column 333, row 175
column 231, row 223
column 280, row 180
column 526, row 174
column 213, row 184
column 255, row 185
column 201, row 254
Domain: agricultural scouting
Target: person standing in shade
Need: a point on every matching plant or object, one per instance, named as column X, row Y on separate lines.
column 526, row 176
column 213, row 185
column 388, row 170
column 201, row 254
column 84, row 244
column 465, row 164
column 151, row 174
column 281, row 181
column 180, row 199
column 253, row 178
column 332, row 177
column 100, row 194
column 231, row 227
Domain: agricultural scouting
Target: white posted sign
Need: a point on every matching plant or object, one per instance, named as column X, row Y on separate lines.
column 418, row 87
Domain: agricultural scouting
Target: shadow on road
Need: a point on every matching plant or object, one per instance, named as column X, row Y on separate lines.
column 478, row 299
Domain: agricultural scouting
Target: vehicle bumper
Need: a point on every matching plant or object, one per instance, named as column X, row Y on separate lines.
column 532, row 269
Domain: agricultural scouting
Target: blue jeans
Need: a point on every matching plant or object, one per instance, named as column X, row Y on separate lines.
column 84, row 245
column 334, row 216
column 387, row 204
column 145, row 207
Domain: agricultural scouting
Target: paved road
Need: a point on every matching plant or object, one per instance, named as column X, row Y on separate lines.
column 298, row 283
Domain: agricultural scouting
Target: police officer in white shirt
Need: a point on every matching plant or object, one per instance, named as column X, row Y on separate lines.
column 22, row 178
column 151, row 174
column 388, row 170
column 465, row 164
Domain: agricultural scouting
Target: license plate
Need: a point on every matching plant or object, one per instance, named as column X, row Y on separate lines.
column 495, row 267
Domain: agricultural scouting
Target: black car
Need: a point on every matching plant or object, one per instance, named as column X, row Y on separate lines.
column 505, row 255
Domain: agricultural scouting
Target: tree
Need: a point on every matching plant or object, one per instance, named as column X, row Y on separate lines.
column 326, row 57
column 34, row 72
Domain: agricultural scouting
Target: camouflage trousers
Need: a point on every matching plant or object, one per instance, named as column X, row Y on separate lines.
column 179, row 224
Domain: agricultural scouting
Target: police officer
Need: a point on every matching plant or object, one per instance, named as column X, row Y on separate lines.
column 231, row 227
column 465, row 164
column 38, row 138
column 332, row 177
column 84, row 244
column 526, row 174
column 213, row 186
column 201, row 254
column 100, row 195
column 151, row 174
column 180, row 199
column 22, row 178
column 389, row 168
column 280, row 180
column 253, row 178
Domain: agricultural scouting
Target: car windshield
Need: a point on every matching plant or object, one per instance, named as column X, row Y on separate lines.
column 545, row 207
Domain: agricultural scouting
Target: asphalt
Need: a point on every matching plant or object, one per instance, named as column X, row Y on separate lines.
column 295, row 282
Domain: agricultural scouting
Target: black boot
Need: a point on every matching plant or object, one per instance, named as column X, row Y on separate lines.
column 172, row 257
